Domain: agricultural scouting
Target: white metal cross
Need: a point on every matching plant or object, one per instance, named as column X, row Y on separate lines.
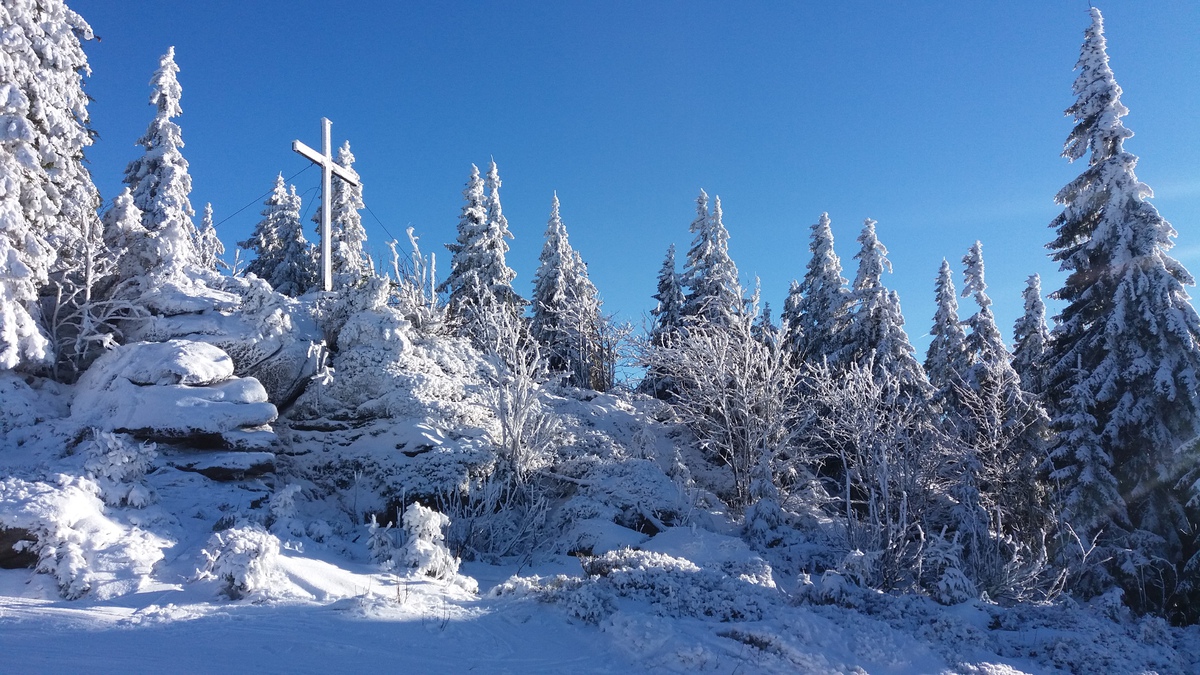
column 328, row 169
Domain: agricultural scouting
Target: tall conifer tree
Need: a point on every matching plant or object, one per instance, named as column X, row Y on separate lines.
column 714, row 294
column 874, row 335
column 566, row 306
column 823, row 300
column 1031, row 339
column 159, row 180
column 48, row 202
column 1129, row 327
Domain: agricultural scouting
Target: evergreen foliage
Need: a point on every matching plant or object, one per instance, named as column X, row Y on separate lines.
column 159, row 179
column 1129, row 328
column 566, row 309
column 1031, row 339
column 480, row 281
column 947, row 351
column 822, row 302
column 347, row 235
column 48, row 202
column 284, row 258
column 209, row 248
column 714, row 295
column 668, row 312
column 874, row 338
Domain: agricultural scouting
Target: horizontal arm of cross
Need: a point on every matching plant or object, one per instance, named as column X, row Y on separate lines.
column 320, row 160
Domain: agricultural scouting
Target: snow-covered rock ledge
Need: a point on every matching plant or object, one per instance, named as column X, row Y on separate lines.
column 179, row 390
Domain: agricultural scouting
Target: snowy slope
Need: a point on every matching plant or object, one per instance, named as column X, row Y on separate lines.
column 273, row 566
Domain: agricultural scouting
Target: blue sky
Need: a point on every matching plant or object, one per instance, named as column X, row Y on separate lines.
column 941, row 120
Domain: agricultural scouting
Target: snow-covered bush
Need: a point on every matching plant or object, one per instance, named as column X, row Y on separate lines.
column 495, row 518
column 76, row 542
column 424, row 552
column 529, row 434
column 414, row 289
column 734, row 393
column 118, row 464
column 674, row 587
column 944, row 577
column 281, row 509
column 243, row 559
column 883, row 459
column 381, row 543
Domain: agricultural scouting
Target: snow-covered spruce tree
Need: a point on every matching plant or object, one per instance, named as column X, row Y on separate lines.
column 874, row 336
column 480, row 281
column 47, row 199
column 127, row 238
column 946, row 358
column 1002, row 424
column 566, row 306
column 347, row 235
column 668, row 310
column 714, row 295
column 764, row 329
column 208, row 245
column 791, row 328
column 822, row 307
column 667, row 320
column 1129, row 325
column 159, row 180
column 285, row 259
column 1031, row 339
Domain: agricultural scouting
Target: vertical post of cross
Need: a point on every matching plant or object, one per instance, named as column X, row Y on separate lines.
column 328, row 169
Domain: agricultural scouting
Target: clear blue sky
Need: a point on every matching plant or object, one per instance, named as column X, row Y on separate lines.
column 941, row 120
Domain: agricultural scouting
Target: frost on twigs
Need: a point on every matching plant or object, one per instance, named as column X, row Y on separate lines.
column 244, row 559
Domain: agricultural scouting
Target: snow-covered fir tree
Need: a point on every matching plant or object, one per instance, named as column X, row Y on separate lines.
column 1092, row 500
column 764, row 329
column 284, row 258
column 822, row 301
column 668, row 310
column 1031, row 339
column 667, row 318
column 1128, row 324
column 946, row 355
column 159, row 179
column 566, row 306
column 874, row 337
column 127, row 238
column 996, row 417
column 47, row 199
column 346, row 232
column 714, row 294
column 480, row 281
column 791, row 328
column 209, row 247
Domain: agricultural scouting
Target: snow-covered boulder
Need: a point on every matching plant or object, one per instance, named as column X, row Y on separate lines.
column 270, row 337
column 180, row 390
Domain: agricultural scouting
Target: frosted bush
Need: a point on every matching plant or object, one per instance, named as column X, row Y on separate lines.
column 244, row 559
column 381, row 544
column 424, row 552
column 118, row 464
column 75, row 541
column 942, row 562
column 675, row 587
column 282, row 509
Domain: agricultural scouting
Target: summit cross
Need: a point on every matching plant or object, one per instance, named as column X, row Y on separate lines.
column 328, row 169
